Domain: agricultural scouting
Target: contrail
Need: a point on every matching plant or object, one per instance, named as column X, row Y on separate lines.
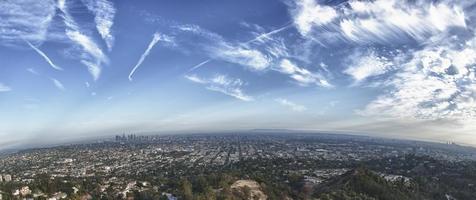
column 42, row 54
column 266, row 35
column 58, row 84
column 145, row 54
column 199, row 65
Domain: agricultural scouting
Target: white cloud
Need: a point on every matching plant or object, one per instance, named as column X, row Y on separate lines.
column 367, row 65
column 93, row 68
column 33, row 71
column 219, row 49
column 263, row 53
column 380, row 21
column 58, row 84
column 307, row 14
column 25, row 20
column 223, row 84
column 91, row 54
column 293, row 106
column 433, row 77
column 42, row 54
column 196, row 79
column 324, row 67
column 28, row 20
column 5, row 88
column 251, row 58
column 87, row 44
column 438, row 81
column 104, row 12
column 301, row 75
column 152, row 43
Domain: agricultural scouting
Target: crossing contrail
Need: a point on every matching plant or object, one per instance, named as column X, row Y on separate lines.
column 199, row 65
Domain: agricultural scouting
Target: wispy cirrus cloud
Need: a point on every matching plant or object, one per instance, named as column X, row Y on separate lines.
column 380, row 21
column 25, row 20
column 293, row 106
column 33, row 71
column 216, row 47
column 42, row 54
column 251, row 58
column 262, row 53
column 34, row 22
column 223, row 84
column 90, row 53
column 432, row 77
column 104, row 13
column 301, row 75
column 5, row 88
column 58, row 84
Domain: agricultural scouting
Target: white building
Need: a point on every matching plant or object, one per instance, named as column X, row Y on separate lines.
column 25, row 191
column 7, row 178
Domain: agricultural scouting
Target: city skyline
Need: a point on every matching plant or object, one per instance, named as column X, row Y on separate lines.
column 82, row 69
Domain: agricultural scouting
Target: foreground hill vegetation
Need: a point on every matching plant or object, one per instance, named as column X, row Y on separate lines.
column 425, row 178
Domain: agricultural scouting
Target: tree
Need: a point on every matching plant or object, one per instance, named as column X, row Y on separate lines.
column 209, row 193
column 187, row 190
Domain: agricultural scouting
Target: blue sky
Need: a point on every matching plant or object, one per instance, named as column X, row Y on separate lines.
column 78, row 69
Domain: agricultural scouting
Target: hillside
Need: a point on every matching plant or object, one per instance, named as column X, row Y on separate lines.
column 361, row 183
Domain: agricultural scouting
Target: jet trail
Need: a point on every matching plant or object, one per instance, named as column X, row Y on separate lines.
column 266, row 35
column 199, row 65
column 145, row 54
column 42, row 54
column 58, row 84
